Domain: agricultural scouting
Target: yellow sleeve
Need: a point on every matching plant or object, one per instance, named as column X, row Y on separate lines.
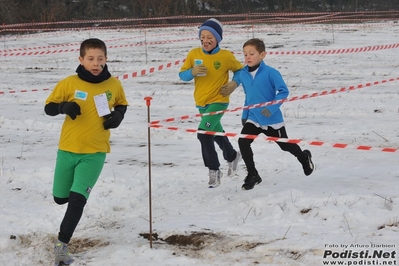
column 235, row 64
column 61, row 93
column 120, row 99
column 188, row 63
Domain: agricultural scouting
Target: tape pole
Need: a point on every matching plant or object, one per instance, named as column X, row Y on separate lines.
column 148, row 103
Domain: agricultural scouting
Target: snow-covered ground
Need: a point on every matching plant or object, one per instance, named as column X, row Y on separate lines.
column 289, row 219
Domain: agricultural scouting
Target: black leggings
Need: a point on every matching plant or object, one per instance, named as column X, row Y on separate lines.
column 76, row 203
column 245, row 144
column 209, row 154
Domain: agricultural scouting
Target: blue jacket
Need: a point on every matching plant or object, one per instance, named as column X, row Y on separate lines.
column 267, row 85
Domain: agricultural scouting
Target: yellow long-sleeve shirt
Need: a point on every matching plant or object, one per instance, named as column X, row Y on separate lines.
column 86, row 134
column 207, row 88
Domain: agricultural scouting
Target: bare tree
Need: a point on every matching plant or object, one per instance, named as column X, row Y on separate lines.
column 7, row 11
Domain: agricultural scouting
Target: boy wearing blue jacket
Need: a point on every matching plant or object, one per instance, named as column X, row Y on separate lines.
column 263, row 83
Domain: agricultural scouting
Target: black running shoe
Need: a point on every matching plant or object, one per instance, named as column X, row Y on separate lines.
column 307, row 163
column 250, row 181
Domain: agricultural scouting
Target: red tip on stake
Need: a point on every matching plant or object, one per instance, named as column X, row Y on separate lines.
column 148, row 100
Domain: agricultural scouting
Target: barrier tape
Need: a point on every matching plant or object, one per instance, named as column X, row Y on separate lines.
column 232, row 32
column 141, row 25
column 77, row 43
column 314, row 20
column 121, row 77
column 314, row 52
column 306, row 20
column 279, row 27
column 178, row 62
column 168, row 25
column 40, row 52
column 15, row 91
column 317, row 28
column 294, row 98
column 57, row 46
column 129, row 20
column 151, row 70
column 275, row 139
column 336, row 51
column 77, row 49
column 15, row 50
column 5, row 26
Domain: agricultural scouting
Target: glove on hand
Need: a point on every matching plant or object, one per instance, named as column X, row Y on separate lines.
column 228, row 88
column 199, row 70
column 69, row 108
column 243, row 121
column 265, row 112
column 113, row 120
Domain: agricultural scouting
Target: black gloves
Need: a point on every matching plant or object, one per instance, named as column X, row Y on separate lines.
column 114, row 119
column 69, row 108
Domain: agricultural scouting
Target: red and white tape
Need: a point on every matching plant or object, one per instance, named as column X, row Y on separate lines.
column 120, row 77
column 294, row 98
column 178, row 62
column 335, row 51
column 275, row 139
column 20, row 91
column 259, row 28
column 181, row 17
column 55, row 46
column 317, row 52
column 150, row 70
column 288, row 27
column 169, row 25
column 77, row 49
column 310, row 52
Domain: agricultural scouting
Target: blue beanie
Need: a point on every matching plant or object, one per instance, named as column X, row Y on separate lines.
column 214, row 26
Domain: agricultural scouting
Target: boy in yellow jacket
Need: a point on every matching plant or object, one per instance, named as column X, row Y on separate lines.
column 209, row 66
column 86, row 99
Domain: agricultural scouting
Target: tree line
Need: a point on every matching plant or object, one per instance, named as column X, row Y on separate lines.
column 24, row 11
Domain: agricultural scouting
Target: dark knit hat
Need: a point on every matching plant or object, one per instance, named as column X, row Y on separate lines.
column 214, row 26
